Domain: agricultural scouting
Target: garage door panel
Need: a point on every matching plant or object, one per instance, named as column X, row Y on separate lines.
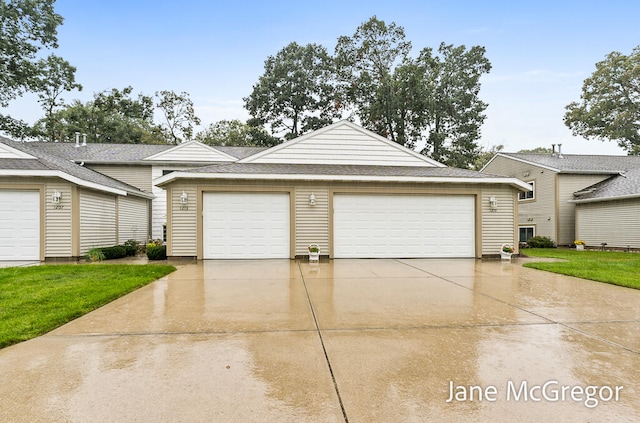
column 403, row 226
column 19, row 225
column 246, row 225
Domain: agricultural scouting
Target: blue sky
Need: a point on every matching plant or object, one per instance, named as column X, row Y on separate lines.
column 215, row 50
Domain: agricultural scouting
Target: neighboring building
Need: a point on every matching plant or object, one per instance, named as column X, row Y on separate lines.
column 352, row 192
column 566, row 188
column 51, row 208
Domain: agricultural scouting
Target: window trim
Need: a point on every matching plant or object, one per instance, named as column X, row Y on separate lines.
column 532, row 192
column 533, row 227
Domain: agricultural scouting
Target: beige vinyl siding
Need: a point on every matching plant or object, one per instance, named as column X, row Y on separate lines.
column 540, row 212
column 159, row 203
column 183, row 234
column 341, row 145
column 133, row 219
column 137, row 176
column 492, row 230
column 312, row 222
column 58, row 229
column 498, row 227
column 613, row 222
column 97, row 220
column 567, row 185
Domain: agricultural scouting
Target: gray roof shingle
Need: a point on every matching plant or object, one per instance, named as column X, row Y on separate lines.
column 46, row 161
column 579, row 163
column 624, row 185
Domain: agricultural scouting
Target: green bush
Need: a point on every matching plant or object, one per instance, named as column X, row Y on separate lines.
column 156, row 252
column 95, row 254
column 132, row 246
column 540, row 242
column 114, row 252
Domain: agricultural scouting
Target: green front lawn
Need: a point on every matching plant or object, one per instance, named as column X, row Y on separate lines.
column 617, row 268
column 35, row 300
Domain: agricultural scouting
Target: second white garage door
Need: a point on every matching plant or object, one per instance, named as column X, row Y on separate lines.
column 403, row 226
column 239, row 225
column 19, row 225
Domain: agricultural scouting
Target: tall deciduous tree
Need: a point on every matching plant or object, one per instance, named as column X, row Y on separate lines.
column 58, row 76
column 26, row 27
column 610, row 102
column 295, row 94
column 431, row 100
column 179, row 116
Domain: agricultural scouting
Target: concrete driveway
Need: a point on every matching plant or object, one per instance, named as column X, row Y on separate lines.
column 347, row 340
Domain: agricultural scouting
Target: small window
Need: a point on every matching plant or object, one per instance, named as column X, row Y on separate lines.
column 526, row 232
column 529, row 195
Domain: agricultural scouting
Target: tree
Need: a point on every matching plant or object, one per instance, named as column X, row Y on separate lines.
column 236, row 133
column 453, row 113
column 57, row 77
column 112, row 116
column 610, row 102
column 537, row 150
column 365, row 64
column 431, row 99
column 179, row 116
column 485, row 155
column 295, row 94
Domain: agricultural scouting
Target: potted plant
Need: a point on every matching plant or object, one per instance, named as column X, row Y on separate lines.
column 579, row 244
column 314, row 252
column 505, row 251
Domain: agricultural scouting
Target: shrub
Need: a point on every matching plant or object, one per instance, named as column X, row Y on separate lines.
column 540, row 242
column 95, row 254
column 156, row 252
column 132, row 246
column 114, row 252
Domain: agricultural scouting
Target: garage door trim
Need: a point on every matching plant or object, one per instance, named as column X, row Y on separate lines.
column 41, row 189
column 241, row 189
column 476, row 194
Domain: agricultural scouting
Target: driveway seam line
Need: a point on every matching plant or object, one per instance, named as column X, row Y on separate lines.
column 324, row 349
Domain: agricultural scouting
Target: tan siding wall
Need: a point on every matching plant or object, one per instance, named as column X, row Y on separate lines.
column 184, row 221
column 58, row 221
column 613, row 222
column 498, row 227
column 138, row 176
column 540, row 212
column 567, row 185
column 312, row 222
column 494, row 228
column 97, row 220
column 133, row 219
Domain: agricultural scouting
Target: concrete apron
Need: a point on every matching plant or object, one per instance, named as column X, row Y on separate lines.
column 347, row 340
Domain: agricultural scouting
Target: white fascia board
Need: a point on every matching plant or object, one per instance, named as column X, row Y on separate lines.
column 601, row 199
column 514, row 182
column 61, row 175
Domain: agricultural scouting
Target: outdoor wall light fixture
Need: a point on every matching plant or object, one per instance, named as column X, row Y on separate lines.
column 55, row 197
column 184, row 198
column 312, row 200
column 493, row 203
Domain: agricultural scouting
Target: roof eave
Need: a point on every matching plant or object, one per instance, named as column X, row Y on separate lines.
column 67, row 177
column 609, row 198
column 514, row 182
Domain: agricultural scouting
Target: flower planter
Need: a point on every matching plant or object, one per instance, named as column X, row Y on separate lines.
column 580, row 247
column 506, row 255
column 314, row 252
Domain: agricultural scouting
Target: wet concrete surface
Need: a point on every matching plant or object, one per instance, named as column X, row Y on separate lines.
column 345, row 340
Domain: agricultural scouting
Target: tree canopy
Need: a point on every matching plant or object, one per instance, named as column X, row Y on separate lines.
column 235, row 133
column 609, row 107
column 26, row 28
column 295, row 93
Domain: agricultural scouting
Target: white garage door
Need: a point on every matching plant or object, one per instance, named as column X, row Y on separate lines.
column 403, row 226
column 19, row 225
column 245, row 225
